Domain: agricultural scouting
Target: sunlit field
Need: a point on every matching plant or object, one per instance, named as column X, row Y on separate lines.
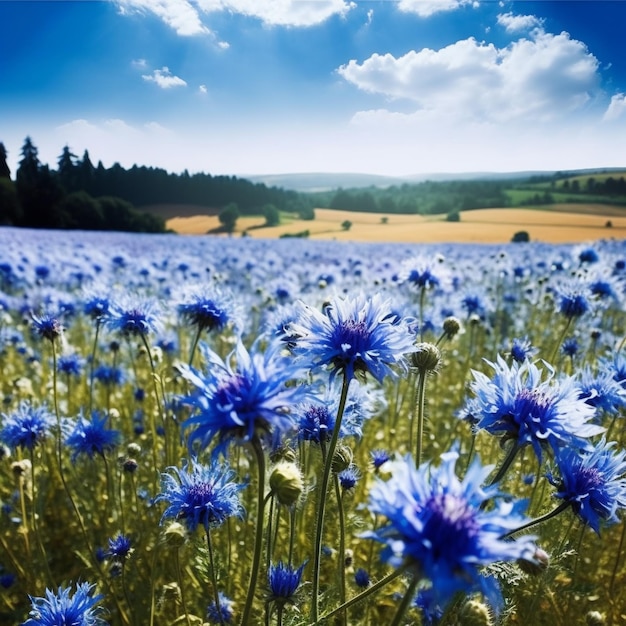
column 560, row 224
column 246, row 430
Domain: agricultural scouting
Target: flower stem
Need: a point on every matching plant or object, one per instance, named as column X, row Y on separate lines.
column 321, row 505
column 406, row 602
column 420, row 389
column 216, row 592
column 342, row 548
column 539, row 520
column 257, row 448
column 506, row 464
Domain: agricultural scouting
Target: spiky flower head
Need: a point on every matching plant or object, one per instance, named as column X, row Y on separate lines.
column 519, row 404
column 66, row 609
column 353, row 336
column 134, row 318
column 47, row 326
column 283, row 581
column 27, row 426
column 207, row 308
column 439, row 526
column 200, row 495
column 221, row 613
column 593, row 482
column 91, row 437
column 250, row 394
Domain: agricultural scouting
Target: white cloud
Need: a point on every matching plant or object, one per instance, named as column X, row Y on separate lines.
column 539, row 78
column 281, row 12
column 426, row 8
column 517, row 23
column 164, row 79
column 140, row 64
column 202, row 89
column 616, row 108
column 180, row 15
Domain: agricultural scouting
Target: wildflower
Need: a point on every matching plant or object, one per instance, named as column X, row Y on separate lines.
column 47, row 326
column 134, row 320
column 286, row 482
column 438, row 525
column 283, row 581
column 239, row 401
column 27, row 426
column 70, row 364
column 91, row 437
column 62, row 608
column 109, row 375
column 425, row 272
column 601, row 390
column 517, row 404
column 522, row 349
column 572, row 301
column 349, row 477
column 97, row 307
column 353, row 336
column 222, row 614
column 120, row 548
column 200, row 495
column 593, row 482
column 570, row 347
column 207, row 309
column 430, row 610
column 362, row 578
column 379, row 458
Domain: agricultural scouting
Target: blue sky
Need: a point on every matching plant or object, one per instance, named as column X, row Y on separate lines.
column 248, row 87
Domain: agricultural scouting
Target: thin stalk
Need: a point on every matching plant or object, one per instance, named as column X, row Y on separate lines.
column 539, row 520
column 506, row 464
column 406, row 602
column 257, row 448
column 180, row 585
column 34, row 524
column 369, row 591
column 194, row 345
column 422, row 300
column 419, row 402
column 342, row 547
column 560, row 341
column 617, row 558
column 92, row 365
column 216, row 593
column 321, row 505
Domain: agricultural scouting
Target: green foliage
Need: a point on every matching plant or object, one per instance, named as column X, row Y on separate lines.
column 521, row 236
column 301, row 234
column 10, row 210
column 228, row 217
column 271, row 215
column 80, row 211
column 346, row 225
column 453, row 216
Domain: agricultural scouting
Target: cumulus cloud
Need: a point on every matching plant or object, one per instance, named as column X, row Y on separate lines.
column 539, row 78
column 426, row 8
column 164, row 79
column 517, row 23
column 616, row 108
column 180, row 15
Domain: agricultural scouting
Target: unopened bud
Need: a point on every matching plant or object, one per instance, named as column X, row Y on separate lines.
column 286, row 483
column 451, row 326
column 595, row 618
column 538, row 565
column 175, row 535
column 426, row 357
column 341, row 459
column 475, row 613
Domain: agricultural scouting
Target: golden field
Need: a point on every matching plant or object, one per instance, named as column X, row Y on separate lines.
column 556, row 224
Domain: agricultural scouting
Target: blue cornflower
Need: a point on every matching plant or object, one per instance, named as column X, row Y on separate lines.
column 70, row 364
column 588, row 255
column 97, row 307
column 27, row 426
column 425, row 272
column 351, row 336
column 362, row 578
column 438, row 525
column 109, row 375
column 207, row 309
column 283, row 582
column 137, row 319
column 222, row 614
column 47, row 326
column 120, row 548
column 91, row 437
column 601, row 390
column 571, row 298
column 200, row 495
column 570, row 347
column 349, row 477
column 594, row 483
column 251, row 394
column 64, row 609
column 379, row 458
column 522, row 349
column 431, row 612
column 517, row 404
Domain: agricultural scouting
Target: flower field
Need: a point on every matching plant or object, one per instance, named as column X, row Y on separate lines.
column 201, row 430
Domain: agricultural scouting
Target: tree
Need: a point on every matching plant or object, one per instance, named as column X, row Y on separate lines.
column 271, row 214
column 521, row 236
column 10, row 210
column 67, row 169
column 346, row 225
column 453, row 216
column 228, row 216
column 5, row 172
column 79, row 210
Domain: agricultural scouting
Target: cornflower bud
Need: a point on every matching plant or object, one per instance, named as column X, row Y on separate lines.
column 286, row 483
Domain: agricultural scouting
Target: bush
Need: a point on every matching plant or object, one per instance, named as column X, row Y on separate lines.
column 453, row 216
column 521, row 236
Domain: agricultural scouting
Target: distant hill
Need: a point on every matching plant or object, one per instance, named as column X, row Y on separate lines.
column 328, row 181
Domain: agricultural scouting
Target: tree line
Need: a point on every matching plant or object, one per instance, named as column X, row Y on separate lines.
column 81, row 195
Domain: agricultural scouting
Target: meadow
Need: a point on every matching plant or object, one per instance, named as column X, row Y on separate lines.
column 240, row 430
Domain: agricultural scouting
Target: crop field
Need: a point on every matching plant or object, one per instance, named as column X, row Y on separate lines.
column 250, row 430
column 558, row 224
